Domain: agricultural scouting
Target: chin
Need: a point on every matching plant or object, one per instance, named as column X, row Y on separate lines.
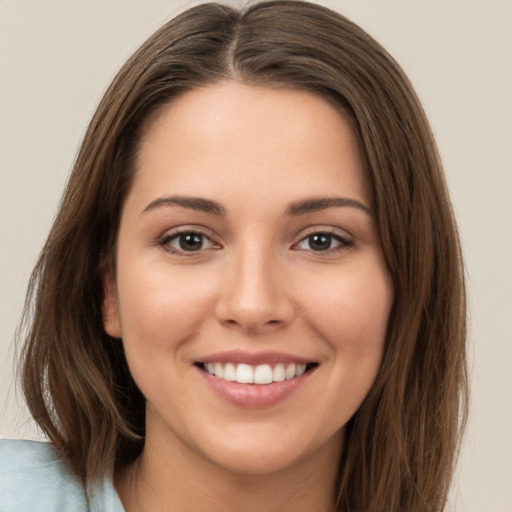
column 257, row 454
column 260, row 462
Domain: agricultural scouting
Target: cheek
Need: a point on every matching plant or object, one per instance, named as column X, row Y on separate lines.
column 351, row 310
column 161, row 311
column 161, row 308
column 348, row 311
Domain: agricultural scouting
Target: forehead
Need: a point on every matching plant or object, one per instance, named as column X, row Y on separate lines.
column 229, row 138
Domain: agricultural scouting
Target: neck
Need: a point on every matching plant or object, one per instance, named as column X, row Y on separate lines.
column 169, row 476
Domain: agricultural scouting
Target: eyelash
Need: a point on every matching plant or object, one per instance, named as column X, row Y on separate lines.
column 343, row 243
column 165, row 242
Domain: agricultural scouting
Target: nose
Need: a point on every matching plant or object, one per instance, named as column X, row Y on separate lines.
column 254, row 296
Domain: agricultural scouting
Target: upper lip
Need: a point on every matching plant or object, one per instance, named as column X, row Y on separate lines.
column 253, row 358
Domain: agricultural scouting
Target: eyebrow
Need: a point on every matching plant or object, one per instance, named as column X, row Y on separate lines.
column 297, row 208
column 194, row 203
column 322, row 203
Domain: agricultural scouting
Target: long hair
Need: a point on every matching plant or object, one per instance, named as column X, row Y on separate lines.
column 401, row 444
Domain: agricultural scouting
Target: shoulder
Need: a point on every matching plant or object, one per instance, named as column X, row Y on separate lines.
column 32, row 477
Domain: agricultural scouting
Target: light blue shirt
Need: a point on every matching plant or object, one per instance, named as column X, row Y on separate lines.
column 34, row 479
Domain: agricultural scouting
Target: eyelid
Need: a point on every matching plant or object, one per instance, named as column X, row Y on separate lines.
column 171, row 234
column 346, row 240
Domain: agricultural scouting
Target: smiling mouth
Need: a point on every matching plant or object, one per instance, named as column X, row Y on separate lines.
column 260, row 374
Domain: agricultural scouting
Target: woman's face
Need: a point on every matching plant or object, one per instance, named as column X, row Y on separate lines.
column 250, row 291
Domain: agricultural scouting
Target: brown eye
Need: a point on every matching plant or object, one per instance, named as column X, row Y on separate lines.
column 320, row 242
column 323, row 242
column 186, row 242
column 190, row 241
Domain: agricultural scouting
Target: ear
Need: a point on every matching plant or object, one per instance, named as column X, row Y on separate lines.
column 110, row 306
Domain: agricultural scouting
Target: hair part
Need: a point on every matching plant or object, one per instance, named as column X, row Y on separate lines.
column 400, row 446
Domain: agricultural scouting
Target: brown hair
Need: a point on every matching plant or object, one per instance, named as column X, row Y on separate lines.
column 400, row 446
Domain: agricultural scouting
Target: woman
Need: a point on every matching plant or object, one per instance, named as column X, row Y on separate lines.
column 252, row 297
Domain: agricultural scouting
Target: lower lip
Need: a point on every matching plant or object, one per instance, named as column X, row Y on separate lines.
column 254, row 395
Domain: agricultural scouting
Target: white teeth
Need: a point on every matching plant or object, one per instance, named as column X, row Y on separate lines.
column 219, row 371
column 229, row 372
column 278, row 375
column 301, row 368
column 290, row 371
column 244, row 374
column 261, row 374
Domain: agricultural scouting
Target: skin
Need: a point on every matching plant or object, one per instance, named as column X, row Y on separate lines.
column 256, row 284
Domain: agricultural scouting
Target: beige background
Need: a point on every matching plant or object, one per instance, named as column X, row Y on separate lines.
column 57, row 57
